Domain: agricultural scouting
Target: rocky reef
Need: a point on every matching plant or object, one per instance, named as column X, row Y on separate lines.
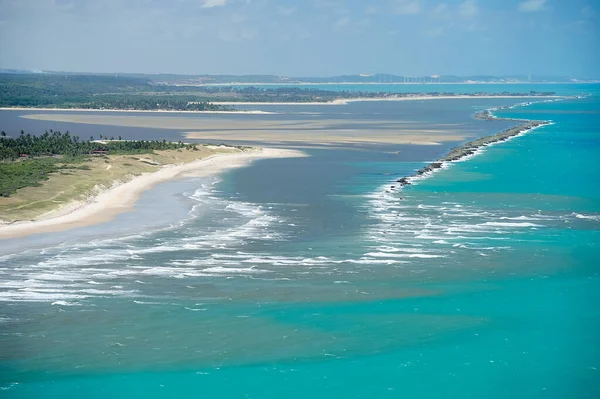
column 471, row 147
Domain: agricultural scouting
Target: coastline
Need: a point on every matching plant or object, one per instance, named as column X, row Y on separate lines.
column 472, row 147
column 121, row 198
column 134, row 110
column 109, row 203
column 339, row 101
column 345, row 101
column 378, row 83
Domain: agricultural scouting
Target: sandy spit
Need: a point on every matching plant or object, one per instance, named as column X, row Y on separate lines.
column 344, row 101
column 121, row 198
column 257, row 112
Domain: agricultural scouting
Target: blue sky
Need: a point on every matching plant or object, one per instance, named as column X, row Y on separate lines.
column 302, row 38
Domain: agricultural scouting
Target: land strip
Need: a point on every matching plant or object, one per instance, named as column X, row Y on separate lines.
column 100, row 92
column 112, row 186
column 471, row 147
column 266, row 131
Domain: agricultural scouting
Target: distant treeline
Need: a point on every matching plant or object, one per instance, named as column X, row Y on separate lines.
column 132, row 93
column 95, row 92
column 378, row 78
column 115, row 102
column 310, row 94
column 55, row 143
column 283, row 94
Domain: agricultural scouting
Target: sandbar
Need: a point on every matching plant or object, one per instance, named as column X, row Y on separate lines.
column 151, row 111
column 268, row 132
column 345, row 101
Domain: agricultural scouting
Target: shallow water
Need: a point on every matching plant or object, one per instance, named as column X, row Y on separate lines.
column 311, row 275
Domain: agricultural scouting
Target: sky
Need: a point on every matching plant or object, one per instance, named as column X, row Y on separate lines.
column 303, row 37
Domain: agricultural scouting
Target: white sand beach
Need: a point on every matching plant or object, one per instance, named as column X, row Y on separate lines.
column 255, row 112
column 340, row 101
column 345, row 101
column 121, row 198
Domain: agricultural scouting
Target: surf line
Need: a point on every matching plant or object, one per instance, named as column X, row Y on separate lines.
column 472, row 147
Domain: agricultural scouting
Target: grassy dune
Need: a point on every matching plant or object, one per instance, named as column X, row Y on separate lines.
column 72, row 187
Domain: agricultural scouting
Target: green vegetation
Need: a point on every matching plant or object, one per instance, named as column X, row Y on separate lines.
column 140, row 93
column 28, row 159
column 311, row 94
column 95, row 92
column 16, row 175
column 55, row 143
column 132, row 93
column 377, row 78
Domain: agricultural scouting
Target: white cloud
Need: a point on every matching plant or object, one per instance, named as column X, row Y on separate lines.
column 587, row 19
column 440, row 8
column 213, row 3
column 238, row 18
column 342, row 22
column 406, row 7
column 468, row 8
column 532, row 5
column 474, row 28
column 248, row 34
column 63, row 4
column 439, row 31
column 372, row 9
column 286, row 11
column 588, row 12
column 364, row 22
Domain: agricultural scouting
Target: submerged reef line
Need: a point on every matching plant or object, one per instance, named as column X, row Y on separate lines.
column 472, row 147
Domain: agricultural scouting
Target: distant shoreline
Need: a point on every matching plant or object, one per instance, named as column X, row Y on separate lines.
column 339, row 101
column 376, row 83
column 345, row 101
column 258, row 112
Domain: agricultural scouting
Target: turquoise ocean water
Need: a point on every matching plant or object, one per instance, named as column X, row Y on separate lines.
column 311, row 277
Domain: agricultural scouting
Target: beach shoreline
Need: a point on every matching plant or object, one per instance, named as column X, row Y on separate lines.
column 375, row 83
column 346, row 101
column 339, row 101
column 121, row 197
column 250, row 112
